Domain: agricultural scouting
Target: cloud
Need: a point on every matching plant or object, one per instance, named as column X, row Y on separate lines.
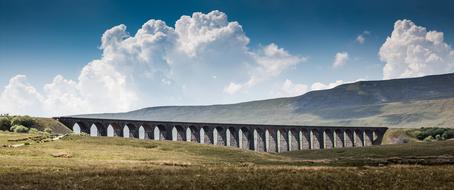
column 232, row 88
column 360, row 39
column 322, row 86
column 20, row 95
column 412, row 51
column 158, row 65
column 291, row 89
column 340, row 59
column 271, row 61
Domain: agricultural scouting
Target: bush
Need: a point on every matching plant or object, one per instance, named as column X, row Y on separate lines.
column 33, row 130
column 19, row 129
column 5, row 123
column 26, row 121
column 428, row 139
column 48, row 130
column 435, row 133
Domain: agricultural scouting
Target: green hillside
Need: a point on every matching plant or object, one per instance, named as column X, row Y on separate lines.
column 410, row 103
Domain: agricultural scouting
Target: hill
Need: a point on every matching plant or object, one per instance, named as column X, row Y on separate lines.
column 410, row 102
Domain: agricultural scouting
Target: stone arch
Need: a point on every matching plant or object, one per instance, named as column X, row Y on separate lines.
column 208, row 135
column 126, row 131
column 328, row 138
column 116, row 129
column 233, row 137
column 202, row 135
column 359, row 138
column 195, row 135
column 339, row 138
column 147, row 131
column 273, row 143
column 142, row 132
column 159, row 132
column 283, row 140
column 244, row 138
column 294, row 142
column 110, row 131
column 97, row 129
column 130, row 131
column 349, row 138
column 260, row 140
column 80, row 127
column 178, row 133
column 220, row 136
column 305, row 139
column 317, row 139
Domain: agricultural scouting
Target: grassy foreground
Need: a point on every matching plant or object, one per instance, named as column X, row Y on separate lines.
column 78, row 162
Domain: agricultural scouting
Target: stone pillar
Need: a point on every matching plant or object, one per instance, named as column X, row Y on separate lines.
column 260, row 138
column 195, row 134
column 359, row 138
column 294, row 141
column 349, row 138
column 244, row 139
column 233, row 137
column 317, row 139
column 273, row 142
column 305, row 139
column 339, row 138
column 208, row 138
column 221, row 136
column 267, row 140
column 328, row 139
column 283, row 140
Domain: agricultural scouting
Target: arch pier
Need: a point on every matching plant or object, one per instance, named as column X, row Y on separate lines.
column 262, row 138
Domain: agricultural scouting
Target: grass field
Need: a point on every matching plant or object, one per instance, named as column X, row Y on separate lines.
column 78, row 162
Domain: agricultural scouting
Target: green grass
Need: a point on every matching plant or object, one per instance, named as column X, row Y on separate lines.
column 118, row 163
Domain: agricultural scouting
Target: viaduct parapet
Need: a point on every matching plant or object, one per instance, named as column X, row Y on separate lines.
column 263, row 138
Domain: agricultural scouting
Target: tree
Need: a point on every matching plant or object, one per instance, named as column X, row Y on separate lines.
column 26, row 121
column 5, row 123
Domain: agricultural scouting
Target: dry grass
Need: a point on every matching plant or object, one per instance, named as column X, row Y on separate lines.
column 114, row 163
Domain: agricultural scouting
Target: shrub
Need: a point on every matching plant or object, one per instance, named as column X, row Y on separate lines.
column 19, row 129
column 5, row 123
column 26, row 121
column 33, row 130
column 48, row 130
column 428, row 139
column 437, row 133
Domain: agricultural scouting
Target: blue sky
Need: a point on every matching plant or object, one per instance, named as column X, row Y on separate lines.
column 41, row 40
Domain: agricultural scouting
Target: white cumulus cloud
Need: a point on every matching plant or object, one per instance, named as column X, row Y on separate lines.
column 360, row 39
column 292, row 89
column 340, row 59
column 322, row 86
column 412, row 51
column 157, row 65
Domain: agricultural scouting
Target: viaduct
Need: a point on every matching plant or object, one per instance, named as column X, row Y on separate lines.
column 258, row 137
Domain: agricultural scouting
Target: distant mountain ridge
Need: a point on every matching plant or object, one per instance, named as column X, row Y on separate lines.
column 411, row 102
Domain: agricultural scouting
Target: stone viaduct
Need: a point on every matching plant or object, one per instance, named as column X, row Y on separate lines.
column 263, row 138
